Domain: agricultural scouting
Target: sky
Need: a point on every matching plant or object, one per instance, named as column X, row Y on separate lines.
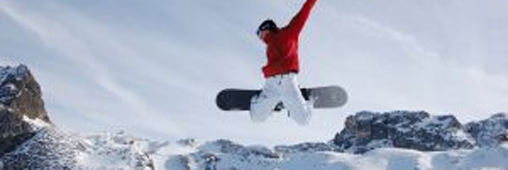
column 153, row 67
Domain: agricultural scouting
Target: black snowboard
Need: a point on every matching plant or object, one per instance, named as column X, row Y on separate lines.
column 324, row 97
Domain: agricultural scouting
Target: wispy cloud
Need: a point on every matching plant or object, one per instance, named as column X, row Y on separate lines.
column 71, row 35
column 403, row 73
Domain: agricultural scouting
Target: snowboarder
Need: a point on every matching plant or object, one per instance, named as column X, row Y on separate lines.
column 281, row 70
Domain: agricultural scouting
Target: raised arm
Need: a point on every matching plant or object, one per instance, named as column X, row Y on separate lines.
column 298, row 22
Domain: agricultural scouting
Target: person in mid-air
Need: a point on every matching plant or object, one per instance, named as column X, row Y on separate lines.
column 281, row 70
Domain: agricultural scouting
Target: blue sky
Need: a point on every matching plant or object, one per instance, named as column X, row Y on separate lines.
column 153, row 67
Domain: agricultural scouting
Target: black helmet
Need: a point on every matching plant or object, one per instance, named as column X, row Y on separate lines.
column 267, row 25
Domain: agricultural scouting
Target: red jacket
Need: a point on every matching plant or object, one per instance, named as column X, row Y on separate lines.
column 282, row 46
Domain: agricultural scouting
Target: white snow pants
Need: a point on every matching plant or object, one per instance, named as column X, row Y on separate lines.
column 281, row 88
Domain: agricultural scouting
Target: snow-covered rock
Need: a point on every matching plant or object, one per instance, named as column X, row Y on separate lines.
column 230, row 147
column 21, row 94
column 54, row 149
column 20, row 98
column 489, row 132
column 114, row 151
column 48, row 149
column 305, row 147
column 366, row 131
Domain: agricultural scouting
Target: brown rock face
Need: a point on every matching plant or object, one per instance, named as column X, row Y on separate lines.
column 20, row 98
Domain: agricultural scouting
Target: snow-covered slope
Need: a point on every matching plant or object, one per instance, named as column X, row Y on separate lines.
column 256, row 158
column 108, row 151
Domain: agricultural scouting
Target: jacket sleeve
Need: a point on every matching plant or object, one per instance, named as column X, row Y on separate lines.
column 298, row 22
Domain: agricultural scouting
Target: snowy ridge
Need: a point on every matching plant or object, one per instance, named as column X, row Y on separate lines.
column 489, row 132
column 223, row 154
column 113, row 151
column 55, row 149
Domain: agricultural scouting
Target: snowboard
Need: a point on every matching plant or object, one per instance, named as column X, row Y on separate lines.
column 324, row 97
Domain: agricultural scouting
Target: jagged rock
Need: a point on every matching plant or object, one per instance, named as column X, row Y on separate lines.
column 489, row 132
column 21, row 94
column 306, row 147
column 229, row 147
column 210, row 154
column 412, row 130
column 20, row 99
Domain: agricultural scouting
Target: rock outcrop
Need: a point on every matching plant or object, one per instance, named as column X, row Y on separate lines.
column 402, row 129
column 489, row 132
column 20, row 99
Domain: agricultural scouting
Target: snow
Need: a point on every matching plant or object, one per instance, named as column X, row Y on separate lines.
column 36, row 123
column 198, row 155
column 111, row 152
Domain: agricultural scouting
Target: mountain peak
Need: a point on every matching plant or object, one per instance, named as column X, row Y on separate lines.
column 417, row 130
column 20, row 99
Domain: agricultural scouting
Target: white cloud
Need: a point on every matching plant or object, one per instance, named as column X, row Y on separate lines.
column 58, row 35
